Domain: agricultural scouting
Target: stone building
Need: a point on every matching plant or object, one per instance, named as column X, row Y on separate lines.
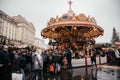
column 7, row 28
column 25, row 30
column 16, row 30
column 40, row 44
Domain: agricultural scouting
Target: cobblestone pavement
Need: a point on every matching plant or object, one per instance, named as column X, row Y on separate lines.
column 104, row 72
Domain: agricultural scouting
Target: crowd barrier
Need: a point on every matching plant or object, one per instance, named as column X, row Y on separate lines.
column 81, row 62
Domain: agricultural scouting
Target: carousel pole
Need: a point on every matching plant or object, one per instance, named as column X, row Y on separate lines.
column 86, row 65
column 86, row 62
column 99, row 59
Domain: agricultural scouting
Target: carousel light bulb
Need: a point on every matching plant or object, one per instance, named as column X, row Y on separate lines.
column 95, row 29
column 75, row 28
column 82, row 78
column 42, row 33
column 53, row 29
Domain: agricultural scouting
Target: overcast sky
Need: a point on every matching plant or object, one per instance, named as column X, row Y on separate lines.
column 106, row 12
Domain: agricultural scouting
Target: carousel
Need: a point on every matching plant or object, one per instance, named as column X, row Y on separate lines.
column 71, row 29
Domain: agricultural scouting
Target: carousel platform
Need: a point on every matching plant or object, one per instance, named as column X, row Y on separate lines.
column 81, row 62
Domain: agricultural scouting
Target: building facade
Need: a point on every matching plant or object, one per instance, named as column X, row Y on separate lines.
column 40, row 44
column 25, row 30
column 7, row 28
column 16, row 30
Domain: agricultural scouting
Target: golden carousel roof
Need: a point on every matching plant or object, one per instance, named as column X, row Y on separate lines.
column 70, row 25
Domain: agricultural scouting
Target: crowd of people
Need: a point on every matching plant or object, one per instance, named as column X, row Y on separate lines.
column 20, row 60
column 43, row 63
column 13, row 60
column 113, row 56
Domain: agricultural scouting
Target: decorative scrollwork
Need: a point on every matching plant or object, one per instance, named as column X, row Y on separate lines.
column 65, row 17
column 52, row 20
column 82, row 17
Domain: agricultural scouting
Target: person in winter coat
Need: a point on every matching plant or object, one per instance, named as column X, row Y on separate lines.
column 93, row 58
column 37, row 65
column 21, row 64
column 68, row 55
column 112, row 56
column 45, row 62
column 5, row 64
column 12, row 59
column 117, row 56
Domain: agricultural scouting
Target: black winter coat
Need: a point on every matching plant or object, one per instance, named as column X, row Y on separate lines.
column 21, row 62
column 4, row 58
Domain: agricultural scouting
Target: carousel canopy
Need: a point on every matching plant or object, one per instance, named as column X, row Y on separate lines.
column 70, row 25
